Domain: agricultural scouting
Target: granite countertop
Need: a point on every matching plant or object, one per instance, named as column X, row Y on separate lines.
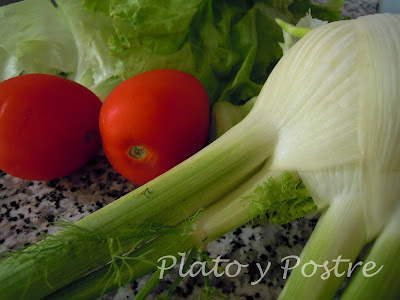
column 26, row 208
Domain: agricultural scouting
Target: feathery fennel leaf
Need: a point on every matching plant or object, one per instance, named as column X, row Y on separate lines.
column 280, row 200
column 72, row 238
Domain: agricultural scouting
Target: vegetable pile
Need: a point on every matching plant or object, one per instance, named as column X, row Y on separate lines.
column 322, row 134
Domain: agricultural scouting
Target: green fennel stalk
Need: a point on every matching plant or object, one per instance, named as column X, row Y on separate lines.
column 168, row 201
column 384, row 252
column 232, row 211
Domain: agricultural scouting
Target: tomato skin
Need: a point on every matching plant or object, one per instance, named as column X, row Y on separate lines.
column 165, row 112
column 48, row 126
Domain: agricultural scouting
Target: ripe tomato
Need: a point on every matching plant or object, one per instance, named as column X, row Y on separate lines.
column 48, row 126
column 152, row 122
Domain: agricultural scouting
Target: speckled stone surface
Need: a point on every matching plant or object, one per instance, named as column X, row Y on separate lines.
column 26, row 208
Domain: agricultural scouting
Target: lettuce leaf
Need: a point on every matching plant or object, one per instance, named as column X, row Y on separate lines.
column 230, row 46
column 35, row 38
column 69, row 41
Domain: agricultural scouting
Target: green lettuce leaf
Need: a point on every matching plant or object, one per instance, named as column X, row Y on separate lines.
column 230, row 46
column 96, row 68
column 68, row 40
column 35, row 38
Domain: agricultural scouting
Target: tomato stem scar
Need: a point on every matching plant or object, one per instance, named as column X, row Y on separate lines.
column 138, row 152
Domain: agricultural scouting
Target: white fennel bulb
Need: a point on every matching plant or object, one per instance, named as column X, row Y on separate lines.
column 350, row 72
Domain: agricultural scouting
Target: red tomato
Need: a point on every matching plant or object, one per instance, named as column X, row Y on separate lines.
column 152, row 122
column 48, row 126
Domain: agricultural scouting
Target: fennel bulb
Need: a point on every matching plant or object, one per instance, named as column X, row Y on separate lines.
column 362, row 190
